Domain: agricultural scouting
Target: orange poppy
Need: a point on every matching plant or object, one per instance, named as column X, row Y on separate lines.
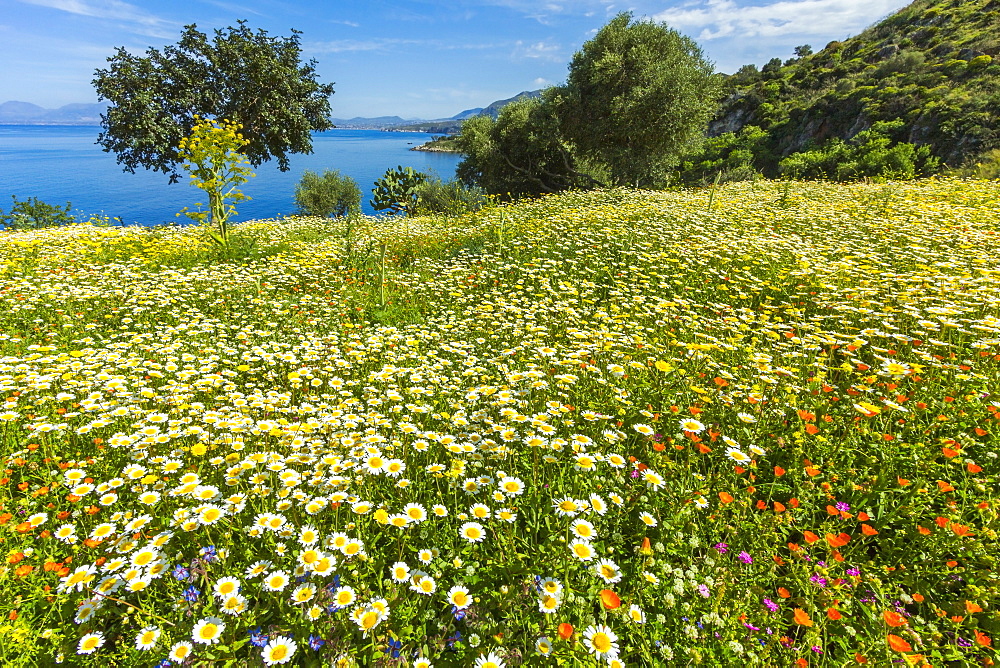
column 983, row 639
column 610, row 600
column 778, row 471
column 893, row 618
column 810, row 537
column 860, row 658
column 868, row 530
column 812, row 429
column 960, row 529
column 802, row 617
column 779, row 507
column 725, row 497
column 565, row 631
column 784, row 593
column 898, row 644
column 835, row 541
column 971, row 607
column 919, row 598
column 833, row 613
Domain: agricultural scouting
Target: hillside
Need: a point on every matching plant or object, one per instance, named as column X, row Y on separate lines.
column 26, row 113
column 454, row 124
column 933, row 64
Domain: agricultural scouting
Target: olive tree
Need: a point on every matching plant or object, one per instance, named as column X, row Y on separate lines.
column 246, row 77
column 639, row 95
column 521, row 153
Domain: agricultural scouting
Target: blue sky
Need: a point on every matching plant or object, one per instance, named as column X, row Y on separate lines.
column 416, row 59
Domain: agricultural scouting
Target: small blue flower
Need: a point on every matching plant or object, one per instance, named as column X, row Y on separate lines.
column 257, row 637
column 180, row 572
column 209, row 554
column 191, row 594
column 394, row 647
column 315, row 642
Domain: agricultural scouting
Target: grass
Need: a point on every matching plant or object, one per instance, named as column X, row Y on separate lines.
column 752, row 425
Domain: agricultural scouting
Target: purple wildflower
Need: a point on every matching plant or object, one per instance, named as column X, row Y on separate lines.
column 745, row 557
column 721, row 547
column 771, row 605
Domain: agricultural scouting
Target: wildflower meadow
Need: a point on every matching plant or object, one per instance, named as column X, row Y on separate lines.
column 750, row 425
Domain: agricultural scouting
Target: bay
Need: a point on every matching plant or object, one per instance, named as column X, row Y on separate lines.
column 59, row 164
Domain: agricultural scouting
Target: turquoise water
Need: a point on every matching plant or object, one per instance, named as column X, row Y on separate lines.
column 59, row 164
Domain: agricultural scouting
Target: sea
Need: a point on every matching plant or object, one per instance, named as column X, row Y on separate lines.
column 60, row 164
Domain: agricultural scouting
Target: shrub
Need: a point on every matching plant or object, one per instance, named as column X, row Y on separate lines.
column 986, row 166
column 33, row 214
column 979, row 62
column 449, row 197
column 331, row 194
column 870, row 154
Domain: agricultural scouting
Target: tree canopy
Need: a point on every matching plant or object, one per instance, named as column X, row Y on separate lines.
column 243, row 76
column 519, row 154
column 639, row 96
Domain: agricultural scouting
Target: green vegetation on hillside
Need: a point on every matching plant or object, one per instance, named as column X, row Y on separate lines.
column 934, row 65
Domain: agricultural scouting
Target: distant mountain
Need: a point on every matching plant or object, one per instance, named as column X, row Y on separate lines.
column 375, row 123
column 494, row 108
column 468, row 113
column 25, row 113
column 453, row 125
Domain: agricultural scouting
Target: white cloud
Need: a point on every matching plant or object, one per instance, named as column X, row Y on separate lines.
column 541, row 82
column 135, row 18
column 538, row 50
column 725, row 18
column 349, row 45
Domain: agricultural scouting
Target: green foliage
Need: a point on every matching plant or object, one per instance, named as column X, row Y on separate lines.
column 398, row 191
column 331, row 194
column 250, row 78
column 639, row 95
column 928, row 64
column 451, row 198
column 732, row 156
column 33, row 214
column 986, row 166
column 520, row 154
column 213, row 158
column 979, row 62
column 870, row 154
